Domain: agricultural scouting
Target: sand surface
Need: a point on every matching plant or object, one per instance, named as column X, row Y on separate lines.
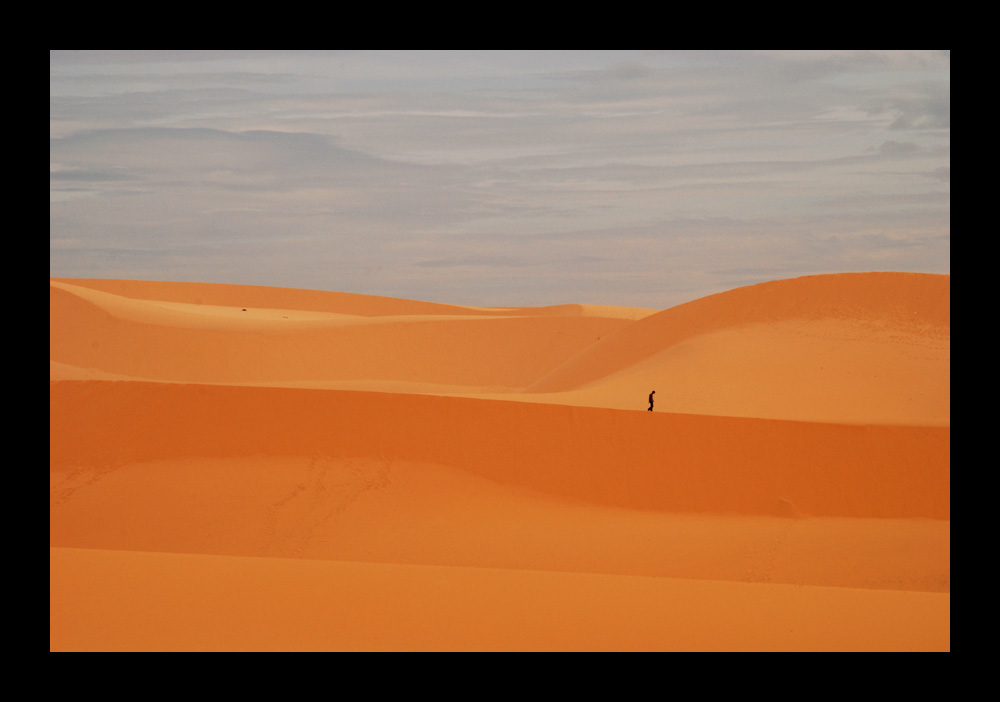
column 253, row 468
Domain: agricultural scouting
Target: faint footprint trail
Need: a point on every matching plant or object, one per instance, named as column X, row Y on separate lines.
column 303, row 516
column 762, row 558
column 81, row 477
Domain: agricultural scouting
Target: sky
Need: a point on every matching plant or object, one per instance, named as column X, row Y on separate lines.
column 643, row 178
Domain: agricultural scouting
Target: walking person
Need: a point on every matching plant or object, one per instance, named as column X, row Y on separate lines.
column 651, row 400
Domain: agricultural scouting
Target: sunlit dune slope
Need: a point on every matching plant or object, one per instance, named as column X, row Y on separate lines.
column 857, row 347
column 121, row 601
column 267, row 297
column 310, row 339
column 261, row 297
column 391, row 510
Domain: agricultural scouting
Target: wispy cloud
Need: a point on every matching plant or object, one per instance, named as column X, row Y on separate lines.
column 618, row 177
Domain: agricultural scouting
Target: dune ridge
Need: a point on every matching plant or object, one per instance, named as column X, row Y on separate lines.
column 876, row 353
column 226, row 345
column 263, row 297
column 384, row 474
column 646, row 461
column 907, row 300
column 877, row 343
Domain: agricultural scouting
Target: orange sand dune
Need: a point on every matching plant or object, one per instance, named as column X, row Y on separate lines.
column 323, row 471
column 639, row 460
column 257, row 298
column 864, row 347
column 273, row 604
column 183, row 342
column 858, row 348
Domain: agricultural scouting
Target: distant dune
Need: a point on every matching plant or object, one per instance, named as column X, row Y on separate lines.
column 253, row 468
column 864, row 347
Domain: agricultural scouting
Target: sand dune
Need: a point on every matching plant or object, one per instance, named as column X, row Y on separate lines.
column 347, row 472
column 210, row 343
column 867, row 348
column 879, row 352
column 307, row 605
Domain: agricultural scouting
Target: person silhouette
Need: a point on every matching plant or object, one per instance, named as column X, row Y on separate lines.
column 651, row 400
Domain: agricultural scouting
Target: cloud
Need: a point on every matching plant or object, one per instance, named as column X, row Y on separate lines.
column 487, row 261
column 626, row 177
column 89, row 175
column 898, row 148
column 943, row 174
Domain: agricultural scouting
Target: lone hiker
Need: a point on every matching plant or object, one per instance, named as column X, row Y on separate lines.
column 651, row 400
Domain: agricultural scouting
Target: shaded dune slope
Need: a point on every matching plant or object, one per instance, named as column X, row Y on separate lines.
column 636, row 460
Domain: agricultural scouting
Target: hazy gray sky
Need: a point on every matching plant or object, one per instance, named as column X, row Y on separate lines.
column 644, row 178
